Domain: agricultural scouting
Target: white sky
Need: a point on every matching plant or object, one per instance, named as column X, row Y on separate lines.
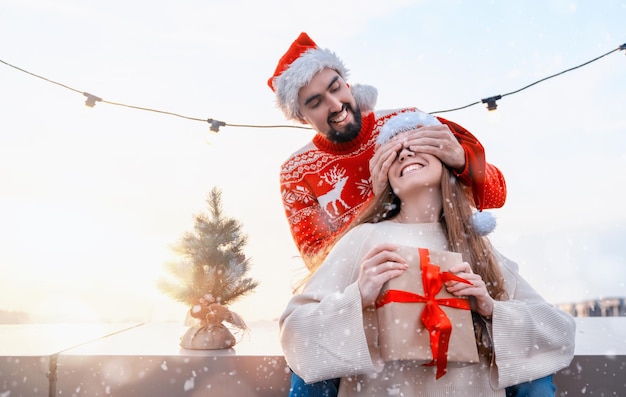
column 91, row 199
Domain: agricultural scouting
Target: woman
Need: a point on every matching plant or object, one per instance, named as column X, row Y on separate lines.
column 329, row 330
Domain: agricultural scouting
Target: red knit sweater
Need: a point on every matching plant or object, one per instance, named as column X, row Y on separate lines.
column 323, row 185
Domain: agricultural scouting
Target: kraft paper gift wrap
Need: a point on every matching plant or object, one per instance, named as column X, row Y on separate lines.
column 425, row 324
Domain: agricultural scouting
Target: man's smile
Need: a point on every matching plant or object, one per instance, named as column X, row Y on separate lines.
column 339, row 117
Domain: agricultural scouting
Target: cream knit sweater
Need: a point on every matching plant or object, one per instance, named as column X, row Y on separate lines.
column 326, row 334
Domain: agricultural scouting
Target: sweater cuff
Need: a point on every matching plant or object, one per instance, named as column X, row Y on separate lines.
column 464, row 174
column 522, row 353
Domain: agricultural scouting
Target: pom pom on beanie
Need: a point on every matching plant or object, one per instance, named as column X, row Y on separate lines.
column 483, row 222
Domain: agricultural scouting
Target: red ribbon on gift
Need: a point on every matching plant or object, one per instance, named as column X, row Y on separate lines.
column 433, row 317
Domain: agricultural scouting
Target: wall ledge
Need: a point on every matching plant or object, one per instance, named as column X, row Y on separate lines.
column 145, row 359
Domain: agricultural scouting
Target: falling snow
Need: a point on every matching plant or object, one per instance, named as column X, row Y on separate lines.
column 189, row 384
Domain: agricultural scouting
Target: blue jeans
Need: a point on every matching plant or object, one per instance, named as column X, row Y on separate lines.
column 325, row 388
column 542, row 387
column 328, row 388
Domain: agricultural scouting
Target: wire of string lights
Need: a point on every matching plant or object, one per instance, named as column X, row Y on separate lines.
column 491, row 101
column 214, row 125
column 91, row 100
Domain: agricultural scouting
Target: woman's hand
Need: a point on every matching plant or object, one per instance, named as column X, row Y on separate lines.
column 483, row 302
column 380, row 265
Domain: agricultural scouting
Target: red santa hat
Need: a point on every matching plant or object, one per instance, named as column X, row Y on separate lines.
column 295, row 69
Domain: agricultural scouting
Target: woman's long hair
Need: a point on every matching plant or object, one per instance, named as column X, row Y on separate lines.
column 457, row 224
column 461, row 236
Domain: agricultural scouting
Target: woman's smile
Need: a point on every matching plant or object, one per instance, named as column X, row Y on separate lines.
column 411, row 167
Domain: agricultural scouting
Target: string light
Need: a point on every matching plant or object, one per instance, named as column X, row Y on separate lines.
column 491, row 101
column 91, row 99
column 214, row 125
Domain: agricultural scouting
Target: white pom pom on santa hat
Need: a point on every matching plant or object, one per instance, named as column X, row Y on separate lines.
column 365, row 96
column 483, row 222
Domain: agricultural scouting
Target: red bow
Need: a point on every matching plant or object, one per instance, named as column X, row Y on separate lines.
column 433, row 317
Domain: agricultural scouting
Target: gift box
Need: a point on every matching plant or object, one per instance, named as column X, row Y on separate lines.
column 419, row 320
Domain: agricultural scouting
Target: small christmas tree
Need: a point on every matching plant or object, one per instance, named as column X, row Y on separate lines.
column 209, row 275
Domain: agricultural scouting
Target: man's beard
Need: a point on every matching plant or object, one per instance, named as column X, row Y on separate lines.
column 352, row 130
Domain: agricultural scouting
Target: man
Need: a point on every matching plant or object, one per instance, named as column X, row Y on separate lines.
column 326, row 182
